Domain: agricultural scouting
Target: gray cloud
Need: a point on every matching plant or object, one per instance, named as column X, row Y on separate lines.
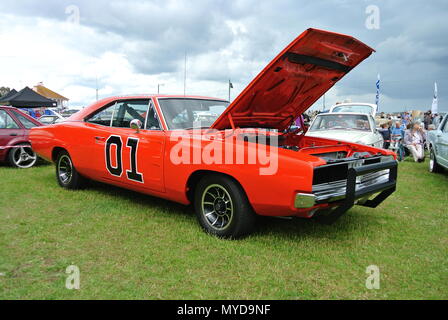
column 245, row 35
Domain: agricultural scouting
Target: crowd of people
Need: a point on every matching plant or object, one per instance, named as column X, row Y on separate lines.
column 407, row 134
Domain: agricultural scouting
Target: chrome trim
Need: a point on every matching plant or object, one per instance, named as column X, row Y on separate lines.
column 304, row 200
column 336, row 190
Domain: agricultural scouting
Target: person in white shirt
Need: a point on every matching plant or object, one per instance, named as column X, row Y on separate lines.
column 414, row 140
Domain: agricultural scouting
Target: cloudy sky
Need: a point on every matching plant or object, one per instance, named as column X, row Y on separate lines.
column 132, row 46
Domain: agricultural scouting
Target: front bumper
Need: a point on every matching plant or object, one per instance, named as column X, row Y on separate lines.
column 362, row 182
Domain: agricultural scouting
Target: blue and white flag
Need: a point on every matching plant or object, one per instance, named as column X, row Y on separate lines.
column 434, row 100
column 377, row 98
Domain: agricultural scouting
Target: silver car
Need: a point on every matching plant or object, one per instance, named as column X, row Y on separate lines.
column 438, row 143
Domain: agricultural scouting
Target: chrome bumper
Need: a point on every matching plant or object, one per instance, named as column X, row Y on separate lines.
column 361, row 182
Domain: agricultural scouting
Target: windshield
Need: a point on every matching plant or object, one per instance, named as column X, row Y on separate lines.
column 353, row 108
column 341, row 122
column 185, row 113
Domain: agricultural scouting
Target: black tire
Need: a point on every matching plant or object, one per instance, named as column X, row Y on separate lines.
column 66, row 174
column 434, row 167
column 211, row 202
column 22, row 156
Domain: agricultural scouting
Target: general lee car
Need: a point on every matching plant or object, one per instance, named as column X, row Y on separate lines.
column 153, row 144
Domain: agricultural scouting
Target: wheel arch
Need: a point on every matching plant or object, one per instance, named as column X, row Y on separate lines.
column 197, row 175
column 55, row 152
column 14, row 143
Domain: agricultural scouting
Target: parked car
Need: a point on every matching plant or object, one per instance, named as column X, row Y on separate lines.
column 15, row 147
column 69, row 113
column 355, row 107
column 51, row 118
column 152, row 144
column 347, row 126
column 438, row 147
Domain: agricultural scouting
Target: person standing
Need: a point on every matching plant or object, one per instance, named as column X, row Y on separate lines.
column 427, row 120
column 414, row 140
column 397, row 136
column 385, row 132
column 436, row 120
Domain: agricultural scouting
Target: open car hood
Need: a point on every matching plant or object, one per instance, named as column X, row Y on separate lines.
column 294, row 80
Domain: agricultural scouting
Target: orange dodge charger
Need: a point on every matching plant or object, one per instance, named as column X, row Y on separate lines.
column 233, row 162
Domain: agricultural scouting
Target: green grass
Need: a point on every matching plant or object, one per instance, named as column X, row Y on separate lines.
column 132, row 246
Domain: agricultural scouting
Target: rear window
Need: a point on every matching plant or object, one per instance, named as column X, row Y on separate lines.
column 24, row 120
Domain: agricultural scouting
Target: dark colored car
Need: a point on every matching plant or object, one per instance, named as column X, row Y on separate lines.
column 15, row 147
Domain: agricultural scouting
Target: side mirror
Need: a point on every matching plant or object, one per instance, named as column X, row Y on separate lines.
column 136, row 125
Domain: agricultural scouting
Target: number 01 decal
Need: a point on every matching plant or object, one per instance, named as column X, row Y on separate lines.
column 117, row 170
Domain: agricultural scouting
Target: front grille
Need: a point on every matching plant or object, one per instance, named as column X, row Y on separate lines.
column 337, row 189
column 330, row 181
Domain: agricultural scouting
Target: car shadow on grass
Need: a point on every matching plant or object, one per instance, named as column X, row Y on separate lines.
column 297, row 228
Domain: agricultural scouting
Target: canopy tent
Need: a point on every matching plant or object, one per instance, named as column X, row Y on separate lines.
column 8, row 95
column 27, row 98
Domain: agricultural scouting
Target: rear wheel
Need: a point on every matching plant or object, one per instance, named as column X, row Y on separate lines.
column 22, row 156
column 66, row 173
column 434, row 167
column 222, row 207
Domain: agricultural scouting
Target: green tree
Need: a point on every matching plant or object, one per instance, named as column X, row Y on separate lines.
column 4, row 91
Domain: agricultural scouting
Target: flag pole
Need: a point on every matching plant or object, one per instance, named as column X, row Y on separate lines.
column 377, row 98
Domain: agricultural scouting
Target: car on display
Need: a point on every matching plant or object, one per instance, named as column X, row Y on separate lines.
column 54, row 117
column 15, row 147
column 347, row 126
column 68, row 113
column 438, row 147
column 355, row 107
column 240, row 163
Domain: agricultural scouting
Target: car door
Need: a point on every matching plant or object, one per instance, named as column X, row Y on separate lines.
column 133, row 158
column 89, row 138
column 9, row 130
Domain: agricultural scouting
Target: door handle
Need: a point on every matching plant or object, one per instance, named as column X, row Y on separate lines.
column 100, row 138
column 13, row 134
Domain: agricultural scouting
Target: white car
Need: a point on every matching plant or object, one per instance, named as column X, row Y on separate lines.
column 52, row 118
column 347, row 126
column 355, row 107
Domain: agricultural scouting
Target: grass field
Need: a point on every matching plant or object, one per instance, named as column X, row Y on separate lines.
column 131, row 246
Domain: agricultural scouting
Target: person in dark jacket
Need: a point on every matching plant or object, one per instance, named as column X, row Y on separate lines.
column 385, row 132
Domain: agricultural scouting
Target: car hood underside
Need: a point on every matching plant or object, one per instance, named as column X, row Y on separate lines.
column 294, row 80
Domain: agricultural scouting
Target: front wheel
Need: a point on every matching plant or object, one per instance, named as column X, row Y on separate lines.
column 66, row 174
column 22, row 156
column 222, row 207
column 434, row 167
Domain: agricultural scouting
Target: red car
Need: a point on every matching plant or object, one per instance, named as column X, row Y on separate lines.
column 15, row 147
column 235, row 161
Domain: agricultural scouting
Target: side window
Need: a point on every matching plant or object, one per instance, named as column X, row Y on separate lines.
column 102, row 117
column 152, row 121
column 126, row 111
column 6, row 122
column 26, row 122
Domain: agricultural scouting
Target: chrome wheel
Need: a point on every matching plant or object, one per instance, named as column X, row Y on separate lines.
column 217, row 207
column 65, row 169
column 23, row 157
